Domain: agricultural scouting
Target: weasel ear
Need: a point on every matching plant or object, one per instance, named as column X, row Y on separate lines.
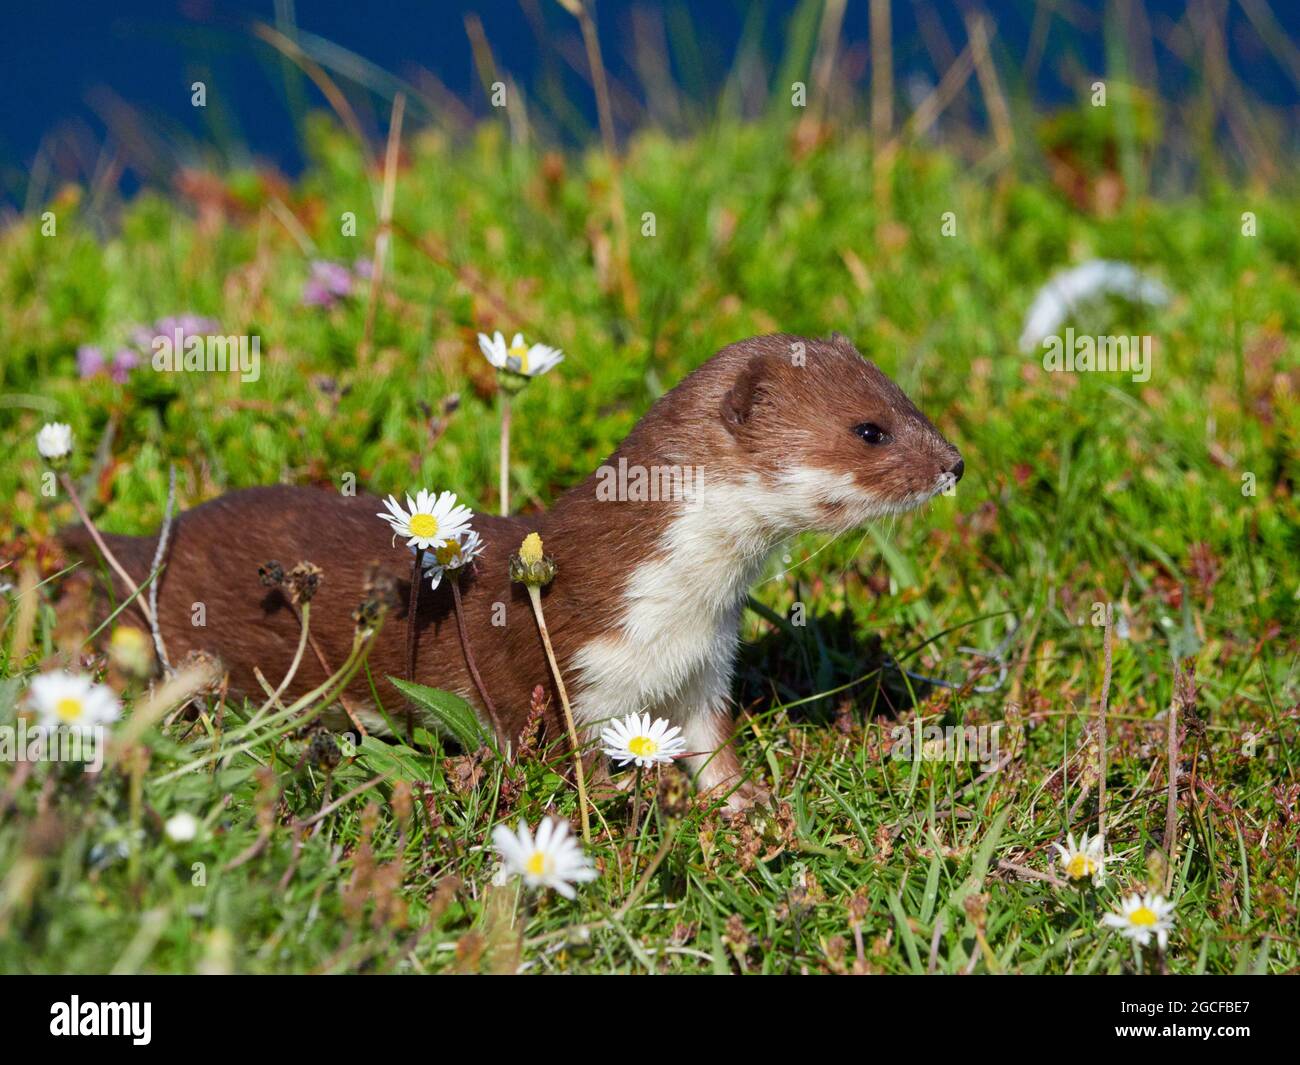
column 738, row 403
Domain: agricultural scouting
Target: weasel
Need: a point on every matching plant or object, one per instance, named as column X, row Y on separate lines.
column 655, row 551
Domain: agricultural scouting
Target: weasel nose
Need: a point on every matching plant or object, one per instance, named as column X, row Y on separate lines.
column 958, row 470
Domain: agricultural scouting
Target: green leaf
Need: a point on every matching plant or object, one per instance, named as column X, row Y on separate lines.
column 905, row 933
column 398, row 762
column 451, row 711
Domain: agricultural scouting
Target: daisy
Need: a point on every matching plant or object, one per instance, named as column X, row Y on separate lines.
column 429, row 522
column 1140, row 916
column 516, row 366
column 452, row 555
column 520, row 357
column 54, row 441
column 181, row 827
column 635, row 739
column 1085, row 860
column 553, row 860
column 71, row 700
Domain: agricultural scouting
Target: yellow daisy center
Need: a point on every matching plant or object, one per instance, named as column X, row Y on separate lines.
column 1143, row 916
column 447, row 553
column 423, row 525
column 536, row 864
column 520, row 352
column 129, row 639
column 1080, row 866
column 531, row 549
column 69, row 709
column 642, row 746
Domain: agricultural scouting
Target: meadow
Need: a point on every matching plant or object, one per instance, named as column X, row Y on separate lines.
column 1166, row 506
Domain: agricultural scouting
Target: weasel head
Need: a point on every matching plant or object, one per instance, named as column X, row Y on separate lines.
column 833, row 439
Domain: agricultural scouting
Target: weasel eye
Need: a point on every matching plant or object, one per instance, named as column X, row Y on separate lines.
column 871, row 433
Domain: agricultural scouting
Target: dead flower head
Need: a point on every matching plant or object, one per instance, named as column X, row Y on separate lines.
column 323, row 751
column 271, row 574
column 304, row 582
column 382, row 586
column 674, row 792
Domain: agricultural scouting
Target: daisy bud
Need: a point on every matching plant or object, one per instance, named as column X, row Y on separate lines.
column 54, row 442
column 182, row 827
column 130, row 651
column 530, row 566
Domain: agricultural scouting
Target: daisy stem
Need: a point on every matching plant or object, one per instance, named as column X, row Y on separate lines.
column 411, row 608
column 1108, row 638
column 132, row 588
column 505, row 454
column 473, row 667
column 535, row 594
column 636, row 804
column 346, row 703
column 304, row 619
column 1171, row 808
column 670, row 833
column 138, row 762
column 288, row 719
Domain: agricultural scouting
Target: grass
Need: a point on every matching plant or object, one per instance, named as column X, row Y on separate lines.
column 1080, row 490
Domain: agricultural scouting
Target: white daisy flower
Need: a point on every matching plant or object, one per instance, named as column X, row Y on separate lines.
column 1087, row 859
column 428, row 521
column 452, row 556
column 71, row 700
column 635, row 739
column 553, row 860
column 54, row 441
column 181, row 827
column 520, row 357
column 1142, row 915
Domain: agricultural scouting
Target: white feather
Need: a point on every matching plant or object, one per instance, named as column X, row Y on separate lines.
column 1068, row 290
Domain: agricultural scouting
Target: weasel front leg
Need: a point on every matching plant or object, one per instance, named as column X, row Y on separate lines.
column 713, row 759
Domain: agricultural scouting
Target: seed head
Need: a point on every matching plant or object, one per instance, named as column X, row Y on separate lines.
column 323, row 751
column 304, row 581
column 271, row 574
column 674, row 792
